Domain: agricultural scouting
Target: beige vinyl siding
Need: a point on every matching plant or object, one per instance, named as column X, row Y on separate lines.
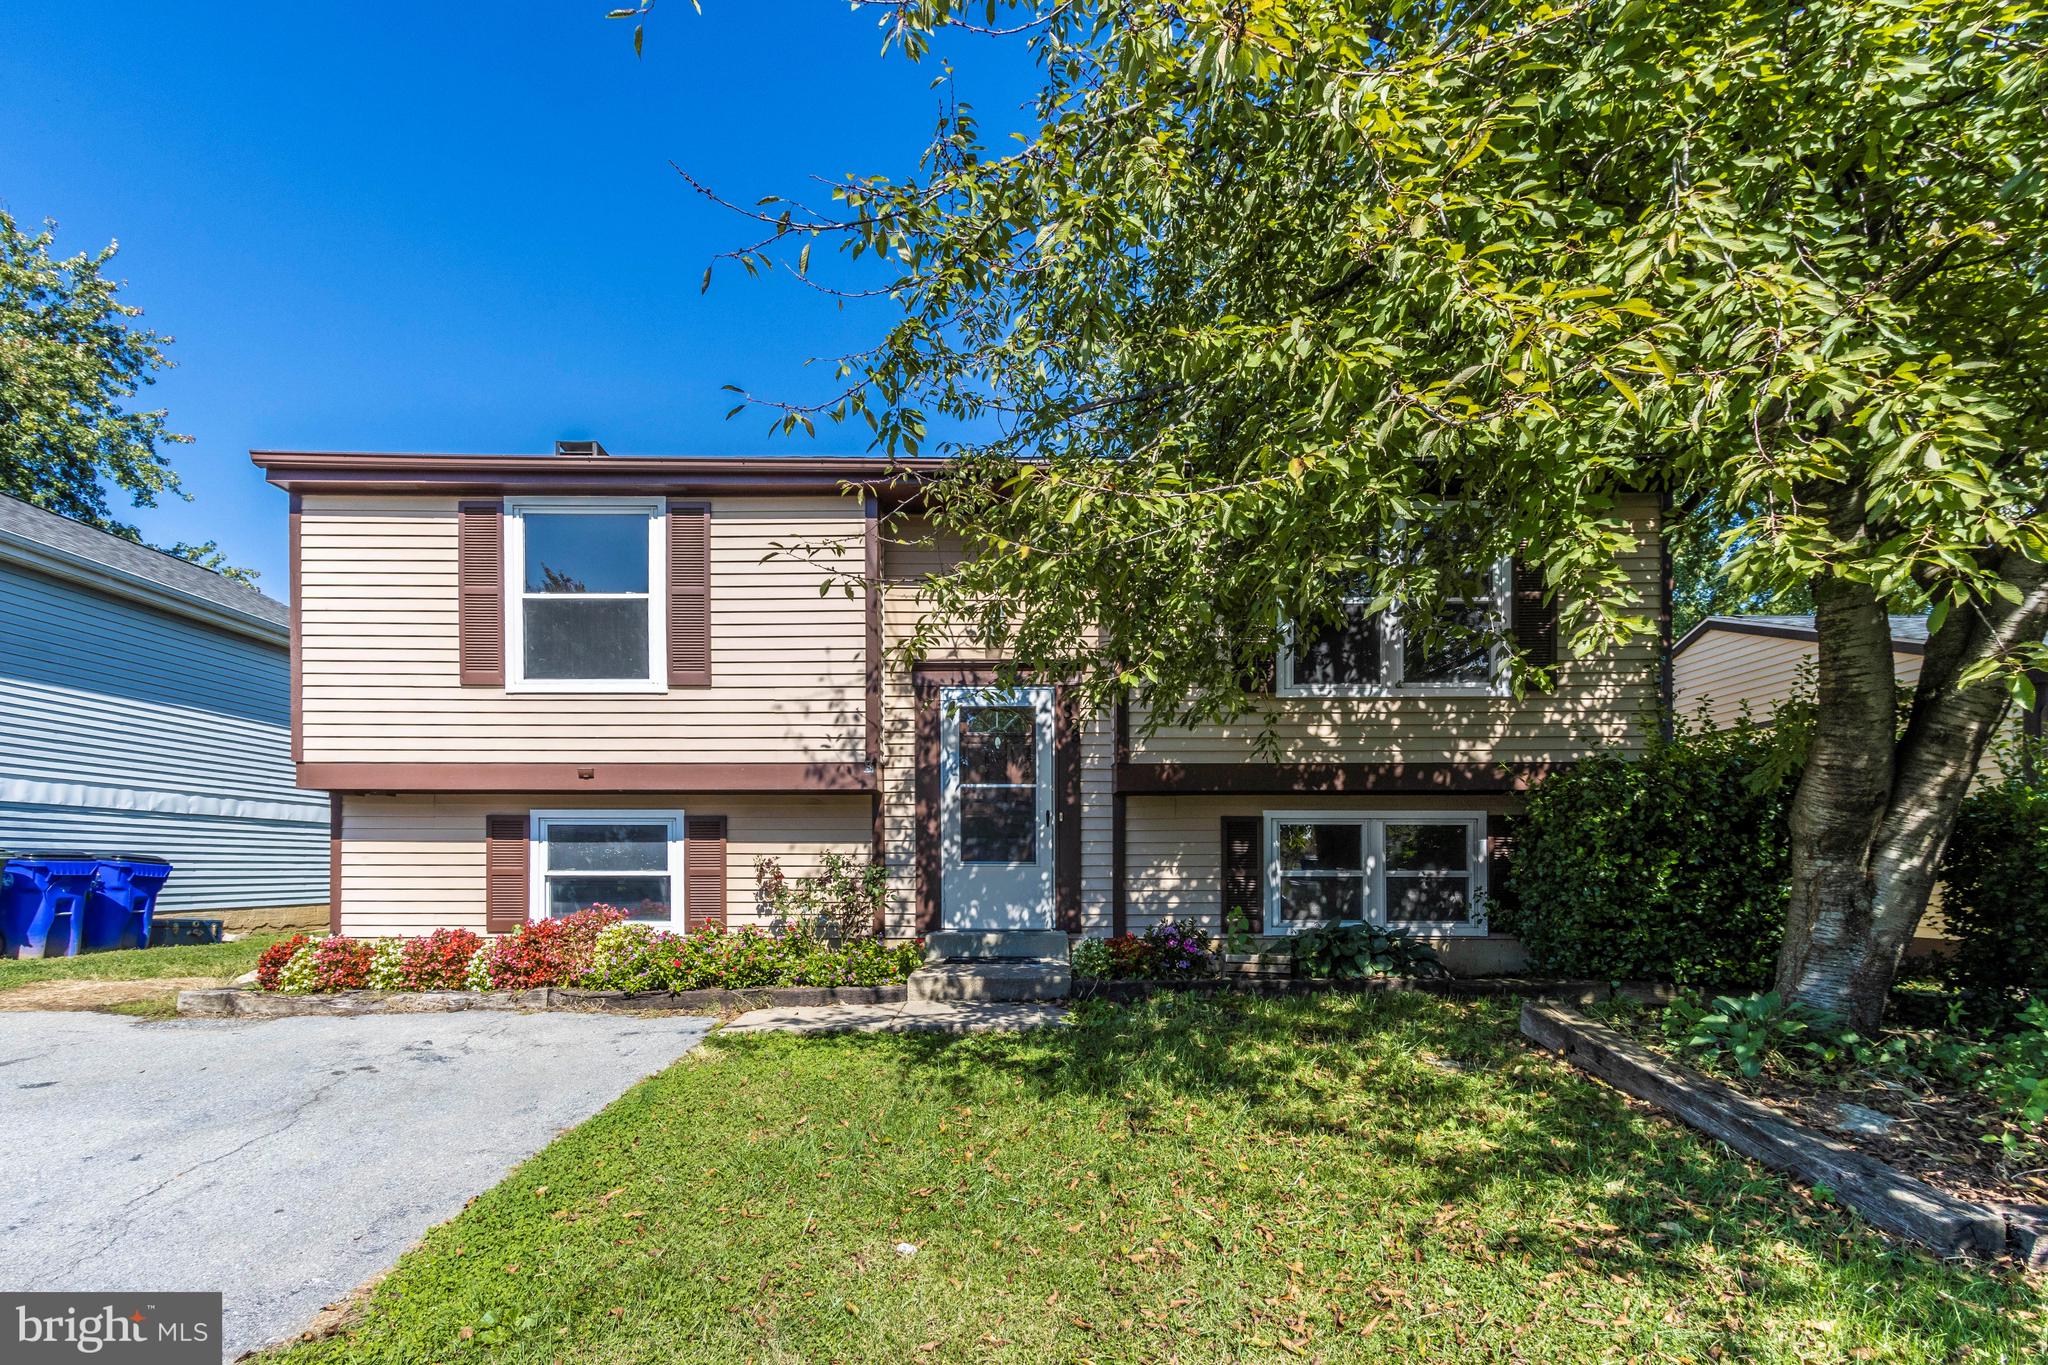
column 1173, row 846
column 1601, row 704
column 415, row 863
column 378, row 623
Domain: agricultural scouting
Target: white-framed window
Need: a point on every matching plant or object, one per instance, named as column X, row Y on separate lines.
column 1390, row 653
column 631, row 860
column 1419, row 871
column 584, row 588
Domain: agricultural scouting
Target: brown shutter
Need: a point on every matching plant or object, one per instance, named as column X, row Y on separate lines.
column 480, row 592
column 689, row 594
column 1500, row 852
column 507, row 893
column 1535, row 616
column 1244, row 882
column 703, row 872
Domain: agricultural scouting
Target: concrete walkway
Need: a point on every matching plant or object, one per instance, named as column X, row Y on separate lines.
column 912, row 1016
column 281, row 1162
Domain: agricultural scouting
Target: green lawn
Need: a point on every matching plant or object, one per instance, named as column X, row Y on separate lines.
column 1341, row 1179
column 141, row 964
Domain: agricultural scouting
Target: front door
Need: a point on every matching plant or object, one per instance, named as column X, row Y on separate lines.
column 995, row 808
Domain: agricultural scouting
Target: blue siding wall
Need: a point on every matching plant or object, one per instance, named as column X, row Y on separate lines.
column 124, row 728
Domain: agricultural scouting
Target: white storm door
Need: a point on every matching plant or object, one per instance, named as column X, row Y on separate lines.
column 996, row 846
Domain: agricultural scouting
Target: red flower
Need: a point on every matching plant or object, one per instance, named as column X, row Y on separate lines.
column 273, row 960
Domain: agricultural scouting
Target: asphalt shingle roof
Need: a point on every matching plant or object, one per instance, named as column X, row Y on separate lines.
column 1905, row 629
column 20, row 521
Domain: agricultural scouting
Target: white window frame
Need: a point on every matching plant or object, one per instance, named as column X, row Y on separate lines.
column 656, row 512
column 1393, row 653
column 537, row 855
column 1373, row 851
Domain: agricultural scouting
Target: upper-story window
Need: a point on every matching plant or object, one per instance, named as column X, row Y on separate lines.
column 588, row 575
column 1392, row 652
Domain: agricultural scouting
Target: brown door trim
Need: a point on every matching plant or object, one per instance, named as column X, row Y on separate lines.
column 926, row 682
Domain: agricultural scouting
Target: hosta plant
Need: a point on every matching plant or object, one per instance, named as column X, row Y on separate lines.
column 1352, row 952
column 1746, row 1032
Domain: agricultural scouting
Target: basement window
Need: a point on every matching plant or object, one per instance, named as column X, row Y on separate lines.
column 1423, row 872
column 629, row 860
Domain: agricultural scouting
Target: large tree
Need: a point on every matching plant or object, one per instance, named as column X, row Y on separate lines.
column 1283, row 295
column 71, row 356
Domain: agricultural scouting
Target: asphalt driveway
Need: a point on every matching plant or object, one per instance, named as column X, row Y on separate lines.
column 281, row 1162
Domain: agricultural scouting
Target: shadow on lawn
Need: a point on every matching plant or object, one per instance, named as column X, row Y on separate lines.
column 1467, row 1120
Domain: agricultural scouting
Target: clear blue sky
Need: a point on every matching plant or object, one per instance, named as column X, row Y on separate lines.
column 374, row 226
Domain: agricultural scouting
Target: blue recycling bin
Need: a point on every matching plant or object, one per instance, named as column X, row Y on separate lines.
column 122, row 901
column 42, row 903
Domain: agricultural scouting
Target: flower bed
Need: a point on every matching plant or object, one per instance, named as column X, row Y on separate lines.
column 594, row 950
column 1165, row 952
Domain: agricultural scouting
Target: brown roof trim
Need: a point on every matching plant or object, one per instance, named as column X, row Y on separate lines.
column 1775, row 630
column 680, row 778
column 1326, row 779
column 370, row 472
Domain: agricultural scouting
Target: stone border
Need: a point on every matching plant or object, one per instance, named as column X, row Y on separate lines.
column 1903, row 1205
column 1457, row 987
column 232, row 1002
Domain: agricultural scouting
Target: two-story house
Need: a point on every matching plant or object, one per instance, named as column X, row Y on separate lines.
column 535, row 683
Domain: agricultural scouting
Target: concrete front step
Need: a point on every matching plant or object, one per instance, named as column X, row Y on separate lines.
column 1009, row 979
column 979, row 945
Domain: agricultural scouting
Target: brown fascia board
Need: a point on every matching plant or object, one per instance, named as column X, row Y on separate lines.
column 368, row 472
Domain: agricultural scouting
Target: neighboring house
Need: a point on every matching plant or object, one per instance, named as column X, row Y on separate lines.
column 538, row 682
column 148, row 711
column 1729, row 666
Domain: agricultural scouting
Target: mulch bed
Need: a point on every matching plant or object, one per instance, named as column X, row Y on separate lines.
column 1937, row 1135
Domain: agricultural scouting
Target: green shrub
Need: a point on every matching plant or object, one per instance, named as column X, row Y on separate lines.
column 1352, row 952
column 2017, row 1077
column 1995, row 897
column 864, row 962
column 846, row 897
column 1673, row 866
column 1091, row 957
column 638, row 957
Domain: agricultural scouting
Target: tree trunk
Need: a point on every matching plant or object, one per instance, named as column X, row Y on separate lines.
column 1873, row 813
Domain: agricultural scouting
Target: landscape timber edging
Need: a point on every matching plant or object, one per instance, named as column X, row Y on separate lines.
column 1459, row 987
column 234, row 1002
column 1901, row 1204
